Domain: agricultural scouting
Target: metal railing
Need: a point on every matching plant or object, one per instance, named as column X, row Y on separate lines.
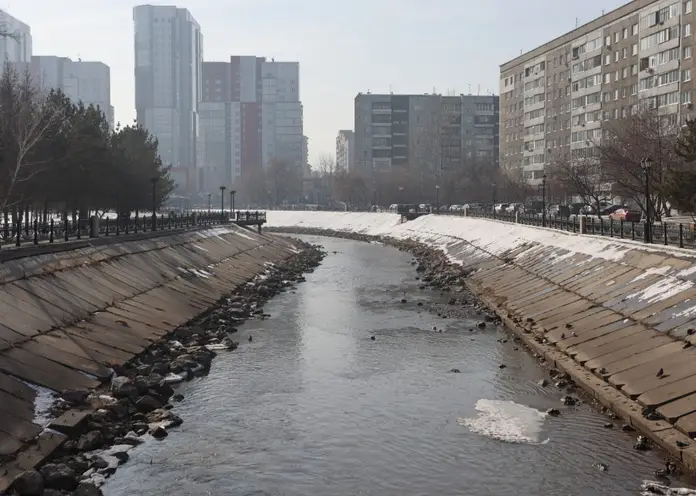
column 37, row 232
column 665, row 233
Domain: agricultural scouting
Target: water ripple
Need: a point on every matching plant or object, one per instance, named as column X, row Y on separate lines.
column 314, row 407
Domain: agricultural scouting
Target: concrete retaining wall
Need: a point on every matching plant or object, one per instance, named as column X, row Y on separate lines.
column 612, row 313
column 66, row 317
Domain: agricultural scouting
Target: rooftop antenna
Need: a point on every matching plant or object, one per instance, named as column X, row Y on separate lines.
column 470, row 89
column 478, row 91
column 577, row 20
column 390, row 90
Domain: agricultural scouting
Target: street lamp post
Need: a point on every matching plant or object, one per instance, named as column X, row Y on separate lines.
column 154, row 203
column 543, row 200
column 232, row 193
column 222, row 203
column 437, row 198
column 209, row 198
column 493, row 186
column 646, row 164
column 401, row 195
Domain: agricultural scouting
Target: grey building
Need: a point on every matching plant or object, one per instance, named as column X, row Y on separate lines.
column 168, row 57
column 88, row 82
column 558, row 96
column 425, row 131
column 345, row 150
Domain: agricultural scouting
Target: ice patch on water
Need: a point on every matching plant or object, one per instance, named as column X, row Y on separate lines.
column 506, row 421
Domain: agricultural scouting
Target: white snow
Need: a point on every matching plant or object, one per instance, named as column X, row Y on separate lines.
column 463, row 237
column 42, row 404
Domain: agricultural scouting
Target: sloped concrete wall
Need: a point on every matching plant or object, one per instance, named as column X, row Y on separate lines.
column 613, row 312
column 65, row 318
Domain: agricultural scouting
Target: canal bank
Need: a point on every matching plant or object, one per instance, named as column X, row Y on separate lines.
column 612, row 314
column 314, row 406
column 81, row 342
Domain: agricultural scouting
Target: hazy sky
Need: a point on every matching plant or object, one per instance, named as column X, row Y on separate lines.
column 344, row 47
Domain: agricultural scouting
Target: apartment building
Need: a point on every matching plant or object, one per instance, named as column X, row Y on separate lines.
column 430, row 130
column 81, row 81
column 345, row 150
column 250, row 114
column 555, row 98
column 168, row 56
column 15, row 45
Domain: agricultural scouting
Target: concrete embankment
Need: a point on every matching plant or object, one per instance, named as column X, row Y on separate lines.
column 618, row 316
column 67, row 318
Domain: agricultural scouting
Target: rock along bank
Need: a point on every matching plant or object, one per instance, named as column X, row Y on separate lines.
column 99, row 337
column 617, row 317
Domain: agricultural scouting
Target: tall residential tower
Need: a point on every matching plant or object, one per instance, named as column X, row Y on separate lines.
column 168, row 58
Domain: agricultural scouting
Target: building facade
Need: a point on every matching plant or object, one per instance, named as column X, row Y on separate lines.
column 345, row 150
column 556, row 97
column 430, row 130
column 81, row 81
column 250, row 114
column 15, row 44
column 168, row 57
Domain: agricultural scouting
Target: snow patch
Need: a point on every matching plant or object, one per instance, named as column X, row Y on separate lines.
column 42, row 404
column 506, row 421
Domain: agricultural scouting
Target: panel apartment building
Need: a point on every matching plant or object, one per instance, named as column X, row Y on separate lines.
column 168, row 57
column 345, row 150
column 250, row 114
column 555, row 98
column 18, row 47
column 81, row 81
column 427, row 130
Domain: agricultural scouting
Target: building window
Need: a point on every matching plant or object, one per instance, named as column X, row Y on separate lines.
column 687, row 52
column 607, row 41
column 686, row 97
column 634, row 29
column 616, row 37
column 607, row 78
column 687, row 6
column 634, row 49
column 634, row 69
column 625, row 33
column 624, row 52
column 607, row 59
column 687, row 30
column 616, row 56
column 686, row 75
column 624, row 74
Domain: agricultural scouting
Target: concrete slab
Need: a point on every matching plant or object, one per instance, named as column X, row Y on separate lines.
column 647, row 359
column 585, row 335
column 674, row 410
column 669, row 392
column 597, row 357
column 600, row 338
column 639, row 375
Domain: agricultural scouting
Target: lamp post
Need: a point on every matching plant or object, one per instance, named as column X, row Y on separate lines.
column 154, row 202
column 646, row 164
column 543, row 200
column 222, row 203
column 232, row 193
column 493, row 187
column 437, row 198
column 401, row 195
column 209, row 198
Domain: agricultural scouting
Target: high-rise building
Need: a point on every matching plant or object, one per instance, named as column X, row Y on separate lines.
column 555, row 98
column 168, row 57
column 428, row 130
column 345, row 150
column 15, row 42
column 81, row 81
column 250, row 115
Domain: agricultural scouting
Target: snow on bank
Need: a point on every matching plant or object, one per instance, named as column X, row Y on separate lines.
column 462, row 236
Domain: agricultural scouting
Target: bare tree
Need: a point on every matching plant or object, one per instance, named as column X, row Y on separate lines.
column 26, row 117
column 583, row 176
column 627, row 142
column 327, row 164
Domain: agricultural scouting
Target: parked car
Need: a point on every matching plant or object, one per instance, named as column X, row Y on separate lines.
column 500, row 208
column 625, row 214
column 514, row 207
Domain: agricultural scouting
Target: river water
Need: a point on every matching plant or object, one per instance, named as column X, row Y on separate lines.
column 313, row 406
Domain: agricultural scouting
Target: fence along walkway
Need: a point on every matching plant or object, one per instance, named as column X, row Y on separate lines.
column 36, row 233
column 666, row 233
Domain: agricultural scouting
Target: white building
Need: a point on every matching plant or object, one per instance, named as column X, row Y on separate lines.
column 15, row 42
column 345, row 150
column 168, row 57
column 81, row 81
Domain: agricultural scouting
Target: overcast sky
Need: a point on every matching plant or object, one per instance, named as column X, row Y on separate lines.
column 344, row 47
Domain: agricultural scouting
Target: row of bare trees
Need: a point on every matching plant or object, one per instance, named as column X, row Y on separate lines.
column 62, row 156
column 614, row 165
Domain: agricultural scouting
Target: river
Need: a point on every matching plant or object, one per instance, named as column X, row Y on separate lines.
column 313, row 406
